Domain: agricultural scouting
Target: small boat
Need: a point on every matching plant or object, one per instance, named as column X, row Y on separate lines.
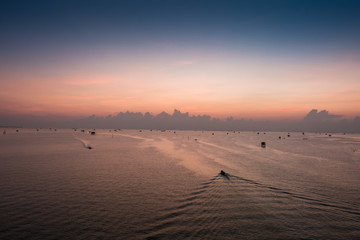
column 224, row 174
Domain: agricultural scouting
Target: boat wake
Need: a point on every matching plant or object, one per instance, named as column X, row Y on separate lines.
column 231, row 207
column 85, row 143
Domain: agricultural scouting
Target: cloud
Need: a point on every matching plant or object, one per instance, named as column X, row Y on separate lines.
column 185, row 62
column 185, row 121
column 291, row 109
column 87, row 79
column 85, row 82
column 323, row 115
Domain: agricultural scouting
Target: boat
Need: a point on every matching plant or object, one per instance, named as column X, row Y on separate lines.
column 224, row 174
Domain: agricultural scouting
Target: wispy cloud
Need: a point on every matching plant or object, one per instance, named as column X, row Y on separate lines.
column 87, row 79
column 292, row 109
column 184, row 62
column 86, row 82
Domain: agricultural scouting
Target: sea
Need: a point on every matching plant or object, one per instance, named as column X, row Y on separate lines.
column 166, row 184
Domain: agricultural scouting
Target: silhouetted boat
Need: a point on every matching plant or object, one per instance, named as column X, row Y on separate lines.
column 224, row 174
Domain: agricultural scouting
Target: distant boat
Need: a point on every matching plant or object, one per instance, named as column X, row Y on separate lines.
column 224, row 174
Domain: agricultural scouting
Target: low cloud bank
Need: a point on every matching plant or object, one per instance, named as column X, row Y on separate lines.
column 314, row 121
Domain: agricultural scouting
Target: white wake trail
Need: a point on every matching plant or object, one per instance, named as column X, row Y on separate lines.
column 85, row 143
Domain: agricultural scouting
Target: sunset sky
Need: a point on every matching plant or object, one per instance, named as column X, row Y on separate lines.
column 251, row 59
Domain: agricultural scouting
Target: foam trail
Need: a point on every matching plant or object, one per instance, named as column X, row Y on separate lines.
column 85, row 143
column 132, row 136
column 311, row 200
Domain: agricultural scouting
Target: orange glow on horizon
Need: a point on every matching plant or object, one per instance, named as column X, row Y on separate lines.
column 244, row 87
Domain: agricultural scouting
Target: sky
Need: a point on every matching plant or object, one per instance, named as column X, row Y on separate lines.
column 247, row 59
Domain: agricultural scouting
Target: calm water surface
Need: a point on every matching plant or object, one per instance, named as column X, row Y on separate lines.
column 166, row 185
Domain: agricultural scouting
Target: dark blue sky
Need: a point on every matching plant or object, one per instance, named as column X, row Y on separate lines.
column 305, row 25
